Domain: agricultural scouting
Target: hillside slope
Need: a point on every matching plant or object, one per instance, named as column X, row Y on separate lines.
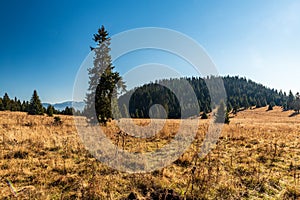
column 241, row 93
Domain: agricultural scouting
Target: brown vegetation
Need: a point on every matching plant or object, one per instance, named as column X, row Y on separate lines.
column 257, row 156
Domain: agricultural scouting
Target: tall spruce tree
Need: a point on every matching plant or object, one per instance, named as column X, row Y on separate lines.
column 35, row 106
column 103, row 82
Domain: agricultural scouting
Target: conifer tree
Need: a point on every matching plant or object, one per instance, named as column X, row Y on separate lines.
column 258, row 104
column 1, row 105
column 6, row 102
column 19, row 105
column 284, row 107
column 270, row 107
column 125, row 112
column 245, row 102
column 290, row 101
column 50, row 110
column 102, row 81
column 35, row 106
column 68, row 111
column 296, row 105
column 222, row 114
column 25, row 106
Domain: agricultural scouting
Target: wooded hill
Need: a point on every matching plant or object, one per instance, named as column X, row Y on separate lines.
column 241, row 93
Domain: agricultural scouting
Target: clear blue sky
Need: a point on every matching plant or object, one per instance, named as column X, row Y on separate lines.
column 43, row 43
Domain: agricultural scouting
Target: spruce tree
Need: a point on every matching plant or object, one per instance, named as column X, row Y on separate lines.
column 15, row 105
column 6, row 102
column 229, row 107
column 227, row 120
column 296, row 105
column 125, row 113
column 222, row 114
column 245, row 103
column 270, row 107
column 68, row 111
column 50, row 110
column 284, row 107
column 290, row 101
column 102, row 81
column 35, row 106
column 25, row 106
column 1, row 105
column 19, row 105
column 258, row 104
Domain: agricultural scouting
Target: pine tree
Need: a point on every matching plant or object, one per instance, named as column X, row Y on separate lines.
column 245, row 103
column 229, row 107
column 1, row 105
column 227, row 120
column 290, row 101
column 25, row 106
column 296, row 105
column 270, row 107
column 6, row 102
column 35, row 106
column 19, row 105
column 258, row 104
column 15, row 104
column 284, row 107
column 222, row 114
column 125, row 113
column 68, row 111
column 50, row 110
column 103, row 81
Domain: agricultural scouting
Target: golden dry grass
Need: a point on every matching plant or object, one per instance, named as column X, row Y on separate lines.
column 257, row 156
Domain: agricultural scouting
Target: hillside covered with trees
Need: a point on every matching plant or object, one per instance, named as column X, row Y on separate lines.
column 242, row 93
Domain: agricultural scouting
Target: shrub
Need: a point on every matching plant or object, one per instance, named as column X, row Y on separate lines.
column 204, row 116
column 57, row 121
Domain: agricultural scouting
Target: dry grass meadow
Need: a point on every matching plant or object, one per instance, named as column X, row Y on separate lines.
column 257, row 157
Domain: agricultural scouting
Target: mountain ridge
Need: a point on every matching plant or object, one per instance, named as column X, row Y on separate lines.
column 77, row 105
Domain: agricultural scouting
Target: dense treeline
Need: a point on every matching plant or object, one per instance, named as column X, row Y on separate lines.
column 13, row 104
column 241, row 94
column 32, row 107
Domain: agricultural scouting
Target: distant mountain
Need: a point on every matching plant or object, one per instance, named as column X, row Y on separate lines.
column 61, row 106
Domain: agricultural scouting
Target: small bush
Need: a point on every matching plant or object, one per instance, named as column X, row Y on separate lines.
column 57, row 121
column 204, row 116
column 270, row 107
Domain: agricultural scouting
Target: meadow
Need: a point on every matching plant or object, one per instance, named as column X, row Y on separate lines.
column 256, row 157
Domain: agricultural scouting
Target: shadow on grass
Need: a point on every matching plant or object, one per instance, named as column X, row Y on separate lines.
column 294, row 114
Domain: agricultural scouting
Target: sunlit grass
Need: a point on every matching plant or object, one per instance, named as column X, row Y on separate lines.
column 257, row 156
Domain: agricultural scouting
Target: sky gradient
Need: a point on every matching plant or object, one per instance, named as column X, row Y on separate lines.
column 43, row 43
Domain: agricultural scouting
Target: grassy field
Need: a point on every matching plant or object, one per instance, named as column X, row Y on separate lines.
column 256, row 157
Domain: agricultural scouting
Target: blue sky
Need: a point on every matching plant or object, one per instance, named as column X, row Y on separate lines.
column 43, row 43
